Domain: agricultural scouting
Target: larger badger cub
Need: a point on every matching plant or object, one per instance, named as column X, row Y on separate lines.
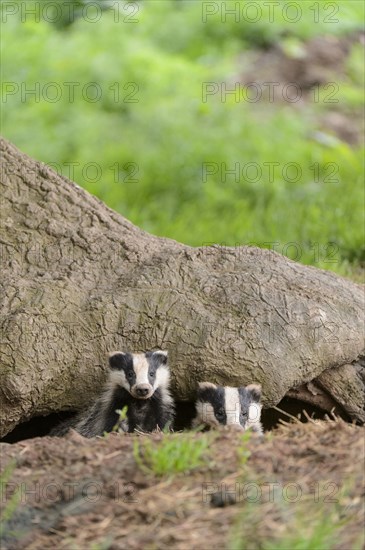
column 141, row 382
column 224, row 405
column 137, row 381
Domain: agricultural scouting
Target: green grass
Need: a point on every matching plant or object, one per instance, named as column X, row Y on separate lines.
column 8, row 506
column 151, row 154
column 302, row 525
column 173, row 454
column 243, row 453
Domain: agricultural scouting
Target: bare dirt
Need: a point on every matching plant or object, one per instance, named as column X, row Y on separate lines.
column 92, row 493
column 294, row 78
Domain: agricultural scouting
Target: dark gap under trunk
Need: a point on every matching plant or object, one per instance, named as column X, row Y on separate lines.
column 42, row 425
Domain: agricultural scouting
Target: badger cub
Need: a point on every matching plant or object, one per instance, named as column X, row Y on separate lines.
column 228, row 406
column 138, row 381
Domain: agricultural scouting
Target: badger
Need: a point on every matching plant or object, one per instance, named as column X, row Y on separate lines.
column 239, row 407
column 139, row 382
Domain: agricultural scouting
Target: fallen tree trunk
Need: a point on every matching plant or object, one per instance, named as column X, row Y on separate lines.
column 78, row 281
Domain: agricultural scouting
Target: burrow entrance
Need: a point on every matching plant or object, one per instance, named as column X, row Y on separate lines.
column 289, row 407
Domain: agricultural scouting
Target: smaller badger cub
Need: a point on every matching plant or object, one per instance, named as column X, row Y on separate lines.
column 238, row 407
column 139, row 382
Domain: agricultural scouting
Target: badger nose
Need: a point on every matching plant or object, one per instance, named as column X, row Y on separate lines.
column 237, row 427
column 142, row 390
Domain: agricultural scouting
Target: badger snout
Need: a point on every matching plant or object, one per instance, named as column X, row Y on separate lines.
column 233, row 417
column 142, row 391
column 236, row 427
column 233, row 422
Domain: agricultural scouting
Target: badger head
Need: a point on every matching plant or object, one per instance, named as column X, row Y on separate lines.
column 239, row 407
column 140, row 374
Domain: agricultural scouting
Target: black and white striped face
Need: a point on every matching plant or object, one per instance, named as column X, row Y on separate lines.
column 141, row 373
column 239, row 407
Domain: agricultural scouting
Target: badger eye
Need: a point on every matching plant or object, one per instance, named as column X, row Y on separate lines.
column 129, row 375
column 152, row 374
column 220, row 414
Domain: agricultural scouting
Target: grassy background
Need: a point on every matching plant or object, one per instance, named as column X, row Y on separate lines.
column 151, row 143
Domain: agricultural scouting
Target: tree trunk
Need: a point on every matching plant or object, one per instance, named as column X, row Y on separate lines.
column 78, row 281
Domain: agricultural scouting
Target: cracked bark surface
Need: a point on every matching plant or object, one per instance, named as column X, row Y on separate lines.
column 79, row 280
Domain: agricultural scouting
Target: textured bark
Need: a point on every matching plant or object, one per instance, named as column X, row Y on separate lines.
column 78, row 281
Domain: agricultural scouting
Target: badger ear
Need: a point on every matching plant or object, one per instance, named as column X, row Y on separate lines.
column 203, row 386
column 254, row 391
column 117, row 360
column 161, row 356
